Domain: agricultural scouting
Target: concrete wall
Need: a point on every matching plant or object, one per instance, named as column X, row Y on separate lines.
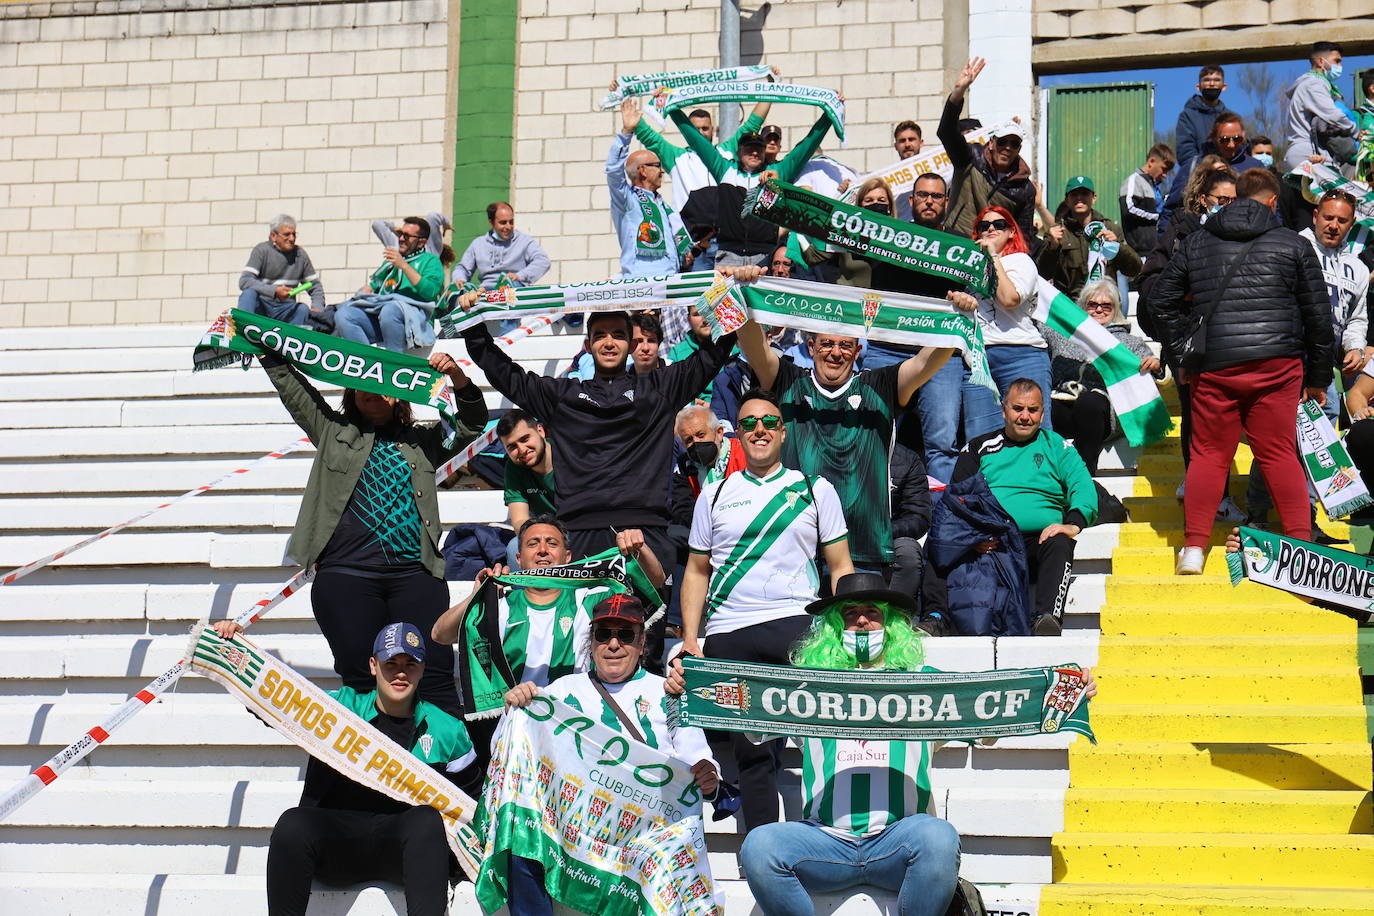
column 885, row 55
column 141, row 153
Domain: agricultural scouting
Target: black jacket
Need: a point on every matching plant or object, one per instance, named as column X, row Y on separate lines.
column 722, row 206
column 1276, row 305
column 613, row 438
column 910, row 493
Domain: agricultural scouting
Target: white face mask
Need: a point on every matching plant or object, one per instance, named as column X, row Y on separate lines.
column 866, row 646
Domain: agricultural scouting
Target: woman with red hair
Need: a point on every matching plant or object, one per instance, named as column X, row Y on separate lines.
column 1015, row 347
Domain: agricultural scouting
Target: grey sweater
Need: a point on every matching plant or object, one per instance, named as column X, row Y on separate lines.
column 268, row 268
column 489, row 256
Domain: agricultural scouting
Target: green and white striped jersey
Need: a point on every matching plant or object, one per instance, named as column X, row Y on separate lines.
column 543, row 642
column 762, row 535
column 855, row 789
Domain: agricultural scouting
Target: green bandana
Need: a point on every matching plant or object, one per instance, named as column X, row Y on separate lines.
column 862, row 231
column 655, row 227
column 827, row 100
column 847, row 310
column 613, row 295
column 1300, row 568
column 332, row 360
column 615, row 823
column 483, row 671
column 1328, row 463
column 883, row 705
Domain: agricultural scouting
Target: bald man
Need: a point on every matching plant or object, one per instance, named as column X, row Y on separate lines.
column 653, row 240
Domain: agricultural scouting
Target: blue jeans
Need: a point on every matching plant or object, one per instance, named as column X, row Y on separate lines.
column 918, row 857
column 385, row 325
column 288, row 310
column 941, row 400
column 1009, row 362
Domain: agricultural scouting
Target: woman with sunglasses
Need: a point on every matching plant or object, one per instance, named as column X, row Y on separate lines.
column 618, row 693
column 1015, row 346
column 1081, row 409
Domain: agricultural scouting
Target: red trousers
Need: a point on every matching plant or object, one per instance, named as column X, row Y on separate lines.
column 1260, row 398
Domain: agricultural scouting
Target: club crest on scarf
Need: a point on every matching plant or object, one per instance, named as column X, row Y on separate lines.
column 871, row 304
column 733, row 695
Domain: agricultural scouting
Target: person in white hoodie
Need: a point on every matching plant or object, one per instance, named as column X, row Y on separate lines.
column 1347, row 283
column 1318, row 122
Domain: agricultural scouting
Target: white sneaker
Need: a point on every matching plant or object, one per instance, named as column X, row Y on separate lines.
column 1190, row 561
column 1228, row 511
column 1178, row 494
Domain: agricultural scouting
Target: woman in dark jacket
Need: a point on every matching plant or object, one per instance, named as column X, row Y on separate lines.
column 369, row 519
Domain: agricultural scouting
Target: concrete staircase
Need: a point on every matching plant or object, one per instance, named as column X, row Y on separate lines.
column 174, row 812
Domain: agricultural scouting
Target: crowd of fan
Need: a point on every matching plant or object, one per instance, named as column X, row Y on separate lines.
column 769, row 482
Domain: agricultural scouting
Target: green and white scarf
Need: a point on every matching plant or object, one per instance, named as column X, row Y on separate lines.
column 332, row 360
column 322, row 727
column 1336, row 577
column 483, row 671
column 1097, row 262
column 848, row 310
column 827, row 100
column 1328, row 463
column 867, row 704
column 874, row 235
column 613, row 295
column 615, row 823
column 650, row 83
column 1134, row 395
column 1316, row 178
column 655, row 227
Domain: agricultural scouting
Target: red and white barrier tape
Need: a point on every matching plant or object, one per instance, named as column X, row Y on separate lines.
column 32, row 784
column 17, row 574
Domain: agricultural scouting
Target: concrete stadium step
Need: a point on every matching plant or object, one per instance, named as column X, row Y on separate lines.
column 1222, row 651
column 1273, row 686
column 1221, row 723
column 163, row 477
column 1218, row 811
column 1234, row 859
column 1184, row 900
column 249, row 441
column 1219, row 765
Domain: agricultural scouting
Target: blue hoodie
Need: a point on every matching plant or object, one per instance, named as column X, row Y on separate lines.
column 1194, row 125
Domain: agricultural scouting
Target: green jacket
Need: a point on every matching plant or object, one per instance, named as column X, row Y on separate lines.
column 391, row 279
column 723, row 170
column 668, row 154
column 341, row 450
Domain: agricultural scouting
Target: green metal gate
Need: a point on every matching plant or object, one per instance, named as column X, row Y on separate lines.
column 1101, row 131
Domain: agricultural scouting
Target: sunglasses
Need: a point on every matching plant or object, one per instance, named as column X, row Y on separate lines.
column 624, row 634
column 769, row 421
column 1231, row 141
column 1013, row 142
column 983, row 225
column 407, row 235
column 1099, row 306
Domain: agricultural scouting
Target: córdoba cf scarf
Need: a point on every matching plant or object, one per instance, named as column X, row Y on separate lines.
column 827, row 100
column 1328, row 464
column 332, row 360
column 650, row 83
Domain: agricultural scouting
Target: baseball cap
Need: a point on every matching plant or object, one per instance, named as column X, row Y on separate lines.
column 1079, row 181
column 399, row 639
column 624, row 607
column 771, row 132
column 750, row 140
column 1009, row 129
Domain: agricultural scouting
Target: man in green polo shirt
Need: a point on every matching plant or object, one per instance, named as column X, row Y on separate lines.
column 529, row 467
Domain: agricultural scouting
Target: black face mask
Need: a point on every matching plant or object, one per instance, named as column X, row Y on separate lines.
column 880, row 207
column 1211, row 95
column 703, row 454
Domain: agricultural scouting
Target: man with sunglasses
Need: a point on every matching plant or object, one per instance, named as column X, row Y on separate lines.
column 1083, row 244
column 621, row 695
column 752, row 570
column 394, row 309
column 1227, row 140
column 992, row 175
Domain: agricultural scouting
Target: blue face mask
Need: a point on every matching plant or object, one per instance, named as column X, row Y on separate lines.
column 1214, row 210
column 1111, row 249
column 1336, row 71
column 1266, row 159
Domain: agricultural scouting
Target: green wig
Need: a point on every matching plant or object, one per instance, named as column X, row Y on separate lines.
column 823, row 647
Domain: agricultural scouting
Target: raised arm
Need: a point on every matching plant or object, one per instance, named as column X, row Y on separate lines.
column 753, row 343
column 657, row 144
column 306, row 405
column 715, row 163
column 801, row 154
column 535, row 393
column 955, row 145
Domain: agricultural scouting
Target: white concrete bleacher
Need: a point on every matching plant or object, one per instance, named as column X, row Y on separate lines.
column 174, row 812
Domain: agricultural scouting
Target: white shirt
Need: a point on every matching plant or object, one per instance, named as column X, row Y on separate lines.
column 772, row 573
column 824, row 175
column 643, row 701
column 1347, row 283
column 1013, row 326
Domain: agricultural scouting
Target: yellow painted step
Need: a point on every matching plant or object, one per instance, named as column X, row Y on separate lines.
column 1164, row 534
column 1204, row 616
column 1274, row 686
column 1168, row 484
column 1163, row 458
column 1157, row 900
column 1227, row 650
column 1159, row 560
column 1244, row 859
column 1215, row 765
column 1221, row 723
column 1209, row 588
column 1217, row 811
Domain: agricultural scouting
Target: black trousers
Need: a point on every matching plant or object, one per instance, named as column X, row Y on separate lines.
column 770, row 644
column 351, row 610
column 588, row 541
column 348, row 847
column 1085, row 420
column 1050, row 565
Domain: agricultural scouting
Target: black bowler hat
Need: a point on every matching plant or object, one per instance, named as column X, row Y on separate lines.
column 859, row 587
